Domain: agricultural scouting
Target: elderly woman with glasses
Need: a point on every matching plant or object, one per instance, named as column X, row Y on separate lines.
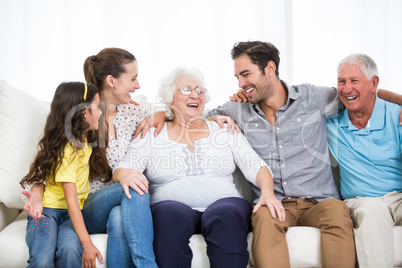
column 189, row 168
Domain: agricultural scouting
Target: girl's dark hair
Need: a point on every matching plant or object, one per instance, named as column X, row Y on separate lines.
column 65, row 123
column 260, row 53
column 109, row 61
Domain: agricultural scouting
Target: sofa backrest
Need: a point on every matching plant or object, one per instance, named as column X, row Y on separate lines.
column 22, row 118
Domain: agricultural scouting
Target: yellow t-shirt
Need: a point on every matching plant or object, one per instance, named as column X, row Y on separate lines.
column 74, row 168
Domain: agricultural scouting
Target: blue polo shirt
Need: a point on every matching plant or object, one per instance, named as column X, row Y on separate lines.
column 370, row 159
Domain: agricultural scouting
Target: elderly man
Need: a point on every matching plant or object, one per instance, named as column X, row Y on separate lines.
column 366, row 139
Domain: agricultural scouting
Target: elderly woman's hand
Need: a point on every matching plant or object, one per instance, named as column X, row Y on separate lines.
column 274, row 206
column 131, row 178
column 221, row 120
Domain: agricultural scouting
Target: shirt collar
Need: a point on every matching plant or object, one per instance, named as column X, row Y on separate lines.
column 376, row 120
column 293, row 94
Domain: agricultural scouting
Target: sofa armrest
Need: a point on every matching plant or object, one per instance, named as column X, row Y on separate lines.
column 7, row 215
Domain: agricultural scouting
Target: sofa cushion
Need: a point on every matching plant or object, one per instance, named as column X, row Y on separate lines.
column 7, row 215
column 398, row 246
column 303, row 244
column 22, row 119
column 13, row 246
column 14, row 250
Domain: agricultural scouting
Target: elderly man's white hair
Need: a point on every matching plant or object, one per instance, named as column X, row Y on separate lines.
column 168, row 87
column 365, row 63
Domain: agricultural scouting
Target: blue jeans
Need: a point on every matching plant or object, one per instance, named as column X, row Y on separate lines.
column 52, row 240
column 128, row 223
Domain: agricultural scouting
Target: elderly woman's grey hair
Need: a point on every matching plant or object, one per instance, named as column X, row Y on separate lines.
column 168, row 87
column 366, row 64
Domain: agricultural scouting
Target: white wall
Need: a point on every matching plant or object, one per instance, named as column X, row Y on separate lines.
column 45, row 42
column 326, row 31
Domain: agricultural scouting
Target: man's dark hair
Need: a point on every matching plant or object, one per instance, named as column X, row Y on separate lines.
column 260, row 53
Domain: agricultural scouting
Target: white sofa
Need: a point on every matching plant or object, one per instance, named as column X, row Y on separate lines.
column 22, row 119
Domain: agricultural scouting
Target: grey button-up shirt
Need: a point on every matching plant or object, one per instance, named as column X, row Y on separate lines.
column 296, row 148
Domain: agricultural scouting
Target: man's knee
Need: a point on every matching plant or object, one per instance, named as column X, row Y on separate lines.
column 334, row 207
column 334, row 212
column 371, row 209
column 371, row 205
column 263, row 221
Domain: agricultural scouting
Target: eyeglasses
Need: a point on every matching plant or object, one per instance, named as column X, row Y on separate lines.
column 186, row 90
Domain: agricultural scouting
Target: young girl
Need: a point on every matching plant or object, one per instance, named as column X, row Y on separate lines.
column 68, row 156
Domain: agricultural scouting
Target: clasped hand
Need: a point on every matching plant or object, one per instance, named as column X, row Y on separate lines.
column 274, row 206
column 133, row 179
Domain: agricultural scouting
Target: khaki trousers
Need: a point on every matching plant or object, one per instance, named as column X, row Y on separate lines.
column 331, row 216
column 374, row 219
